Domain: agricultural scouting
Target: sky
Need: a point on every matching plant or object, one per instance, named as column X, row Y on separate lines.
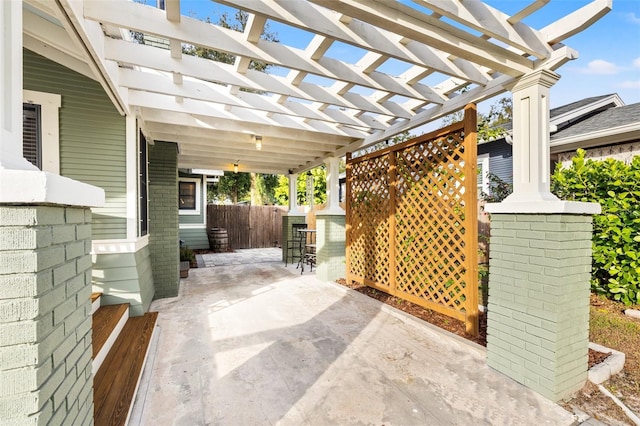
column 609, row 50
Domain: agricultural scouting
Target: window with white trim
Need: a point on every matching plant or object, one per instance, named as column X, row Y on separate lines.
column 189, row 196
column 483, row 178
column 41, row 129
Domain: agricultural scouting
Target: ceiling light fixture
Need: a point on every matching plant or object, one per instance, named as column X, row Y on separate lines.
column 235, row 167
column 258, row 142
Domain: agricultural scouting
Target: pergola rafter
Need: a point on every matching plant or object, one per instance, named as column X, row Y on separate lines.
column 213, row 109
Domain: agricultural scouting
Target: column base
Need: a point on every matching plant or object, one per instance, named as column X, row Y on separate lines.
column 331, row 240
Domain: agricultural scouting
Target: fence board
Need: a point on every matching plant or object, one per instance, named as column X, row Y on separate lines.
column 247, row 226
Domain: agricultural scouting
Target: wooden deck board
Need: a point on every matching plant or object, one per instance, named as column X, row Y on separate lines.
column 115, row 383
column 104, row 321
column 95, row 296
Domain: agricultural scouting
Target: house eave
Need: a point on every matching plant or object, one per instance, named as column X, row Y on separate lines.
column 613, row 135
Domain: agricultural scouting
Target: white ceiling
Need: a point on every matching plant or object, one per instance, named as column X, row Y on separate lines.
column 316, row 106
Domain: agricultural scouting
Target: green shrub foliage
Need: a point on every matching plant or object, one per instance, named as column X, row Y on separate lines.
column 616, row 234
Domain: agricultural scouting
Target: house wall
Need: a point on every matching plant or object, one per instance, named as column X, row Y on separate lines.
column 500, row 158
column 125, row 278
column 193, row 227
column 623, row 152
column 92, row 146
column 163, row 218
column 92, row 138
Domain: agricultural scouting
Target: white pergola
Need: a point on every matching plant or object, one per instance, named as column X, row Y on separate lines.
column 214, row 110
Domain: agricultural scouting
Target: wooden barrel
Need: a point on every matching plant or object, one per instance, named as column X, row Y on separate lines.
column 218, row 239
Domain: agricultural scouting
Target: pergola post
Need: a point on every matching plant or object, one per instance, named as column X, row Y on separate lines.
column 45, row 268
column 331, row 231
column 333, row 186
column 540, row 261
column 293, row 215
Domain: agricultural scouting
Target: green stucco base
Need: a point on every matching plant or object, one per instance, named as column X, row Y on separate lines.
column 163, row 218
column 45, row 316
column 538, row 312
column 125, row 278
column 287, row 232
column 331, row 247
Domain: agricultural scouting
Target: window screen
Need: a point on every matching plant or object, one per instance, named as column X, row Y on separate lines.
column 31, row 142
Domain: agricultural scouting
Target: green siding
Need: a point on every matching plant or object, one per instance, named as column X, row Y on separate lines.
column 195, row 238
column 125, row 278
column 92, row 138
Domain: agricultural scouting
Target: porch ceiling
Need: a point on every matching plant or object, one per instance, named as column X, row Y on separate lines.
column 320, row 106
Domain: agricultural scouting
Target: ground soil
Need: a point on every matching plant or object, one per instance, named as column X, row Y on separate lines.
column 608, row 327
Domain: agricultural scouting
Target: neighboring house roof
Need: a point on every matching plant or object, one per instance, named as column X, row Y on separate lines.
column 611, row 126
column 593, row 121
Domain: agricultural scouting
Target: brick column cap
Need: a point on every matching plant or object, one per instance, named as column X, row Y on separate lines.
column 544, row 207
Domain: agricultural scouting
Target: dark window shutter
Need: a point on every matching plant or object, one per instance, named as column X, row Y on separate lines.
column 144, row 192
column 31, row 142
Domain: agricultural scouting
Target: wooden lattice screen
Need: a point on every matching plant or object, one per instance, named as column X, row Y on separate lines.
column 412, row 220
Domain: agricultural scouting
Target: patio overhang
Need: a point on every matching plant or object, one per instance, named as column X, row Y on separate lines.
column 413, row 63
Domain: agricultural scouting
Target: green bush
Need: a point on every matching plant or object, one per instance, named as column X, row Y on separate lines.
column 616, row 232
column 187, row 255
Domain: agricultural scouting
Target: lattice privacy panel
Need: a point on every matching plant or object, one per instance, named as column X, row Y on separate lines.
column 411, row 220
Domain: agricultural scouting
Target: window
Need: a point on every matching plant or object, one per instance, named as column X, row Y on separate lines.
column 144, row 192
column 483, row 170
column 40, row 118
column 189, row 196
column 31, row 131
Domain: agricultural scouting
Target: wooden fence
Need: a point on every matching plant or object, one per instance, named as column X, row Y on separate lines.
column 412, row 220
column 248, row 226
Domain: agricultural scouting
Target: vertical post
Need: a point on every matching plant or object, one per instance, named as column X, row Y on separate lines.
column 293, row 193
column 292, row 216
column 393, row 183
column 540, row 262
column 333, row 185
column 330, row 227
column 531, row 156
column 470, row 199
column 11, row 88
column 348, row 215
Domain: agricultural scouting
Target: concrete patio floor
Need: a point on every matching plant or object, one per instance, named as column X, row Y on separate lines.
column 259, row 344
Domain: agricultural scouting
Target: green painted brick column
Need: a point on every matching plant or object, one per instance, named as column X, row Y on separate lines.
column 538, row 311
column 287, row 232
column 163, row 218
column 331, row 238
column 45, row 315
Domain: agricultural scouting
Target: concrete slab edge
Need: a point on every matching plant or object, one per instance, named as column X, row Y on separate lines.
column 136, row 415
column 406, row 318
column 610, row 366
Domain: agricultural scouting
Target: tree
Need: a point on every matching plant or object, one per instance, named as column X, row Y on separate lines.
column 281, row 191
column 491, row 126
column 237, row 23
column 232, row 187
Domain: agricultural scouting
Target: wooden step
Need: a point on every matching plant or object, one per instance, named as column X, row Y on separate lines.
column 95, row 302
column 108, row 322
column 115, row 384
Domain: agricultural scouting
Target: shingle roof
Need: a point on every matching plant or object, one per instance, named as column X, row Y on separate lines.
column 612, row 117
column 555, row 112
